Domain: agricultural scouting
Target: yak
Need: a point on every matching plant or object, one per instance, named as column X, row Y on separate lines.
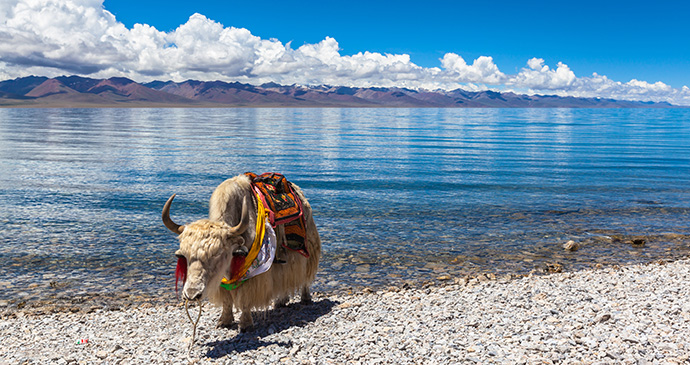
column 209, row 245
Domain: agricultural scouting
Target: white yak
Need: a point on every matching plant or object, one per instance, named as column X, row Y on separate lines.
column 208, row 246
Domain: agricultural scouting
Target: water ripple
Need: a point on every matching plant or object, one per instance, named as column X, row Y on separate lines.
column 398, row 194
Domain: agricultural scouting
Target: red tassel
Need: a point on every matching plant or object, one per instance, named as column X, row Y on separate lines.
column 180, row 271
column 235, row 266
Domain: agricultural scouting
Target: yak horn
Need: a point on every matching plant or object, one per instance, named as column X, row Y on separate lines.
column 244, row 221
column 174, row 227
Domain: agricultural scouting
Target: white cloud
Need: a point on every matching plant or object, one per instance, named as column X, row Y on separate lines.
column 540, row 76
column 76, row 36
column 601, row 86
column 482, row 70
column 55, row 37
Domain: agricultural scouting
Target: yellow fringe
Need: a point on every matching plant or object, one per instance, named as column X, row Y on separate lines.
column 256, row 245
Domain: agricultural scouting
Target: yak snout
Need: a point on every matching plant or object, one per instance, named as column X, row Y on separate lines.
column 195, row 296
column 193, row 291
column 196, row 282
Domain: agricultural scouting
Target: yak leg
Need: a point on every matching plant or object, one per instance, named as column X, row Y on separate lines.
column 246, row 321
column 306, row 295
column 227, row 319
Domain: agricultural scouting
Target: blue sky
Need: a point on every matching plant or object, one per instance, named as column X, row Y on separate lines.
column 631, row 50
column 644, row 40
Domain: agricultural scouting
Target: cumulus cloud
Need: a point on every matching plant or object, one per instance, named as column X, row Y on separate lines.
column 540, row 76
column 76, row 36
column 55, row 37
column 482, row 70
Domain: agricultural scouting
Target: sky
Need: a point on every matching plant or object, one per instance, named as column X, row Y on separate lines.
column 631, row 50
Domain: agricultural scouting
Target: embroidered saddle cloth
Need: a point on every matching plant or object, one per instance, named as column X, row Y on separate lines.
column 285, row 207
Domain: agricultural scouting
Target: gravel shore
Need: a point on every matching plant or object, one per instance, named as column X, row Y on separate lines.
column 629, row 315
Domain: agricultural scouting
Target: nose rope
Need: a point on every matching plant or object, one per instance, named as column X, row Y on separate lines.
column 194, row 324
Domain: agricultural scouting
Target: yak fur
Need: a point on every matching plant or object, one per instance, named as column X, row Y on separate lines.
column 208, row 245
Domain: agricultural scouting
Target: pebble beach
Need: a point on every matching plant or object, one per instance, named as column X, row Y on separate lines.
column 637, row 314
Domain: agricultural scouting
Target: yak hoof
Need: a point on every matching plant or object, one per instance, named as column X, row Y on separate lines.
column 246, row 321
column 230, row 325
column 282, row 302
column 246, row 329
column 306, row 299
column 306, row 296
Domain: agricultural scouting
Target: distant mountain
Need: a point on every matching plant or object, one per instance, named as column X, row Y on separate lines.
column 76, row 91
column 69, row 91
column 21, row 86
column 224, row 93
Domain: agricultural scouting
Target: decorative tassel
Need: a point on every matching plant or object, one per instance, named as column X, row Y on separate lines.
column 180, row 272
column 236, row 266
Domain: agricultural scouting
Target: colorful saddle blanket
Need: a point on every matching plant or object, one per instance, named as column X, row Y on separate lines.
column 285, row 207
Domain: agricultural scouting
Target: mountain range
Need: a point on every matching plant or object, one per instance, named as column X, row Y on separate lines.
column 76, row 91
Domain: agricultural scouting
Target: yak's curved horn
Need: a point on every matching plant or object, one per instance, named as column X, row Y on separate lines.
column 174, row 227
column 244, row 221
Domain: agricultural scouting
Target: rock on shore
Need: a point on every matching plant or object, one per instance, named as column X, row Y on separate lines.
column 631, row 315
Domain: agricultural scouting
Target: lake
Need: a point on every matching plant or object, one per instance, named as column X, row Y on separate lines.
column 399, row 195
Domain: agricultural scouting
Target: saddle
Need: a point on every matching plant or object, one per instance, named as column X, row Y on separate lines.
column 285, row 208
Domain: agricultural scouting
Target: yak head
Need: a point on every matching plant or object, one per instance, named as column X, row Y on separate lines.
column 206, row 252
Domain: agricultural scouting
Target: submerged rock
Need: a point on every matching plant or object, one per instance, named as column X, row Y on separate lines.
column 638, row 242
column 553, row 268
column 571, row 246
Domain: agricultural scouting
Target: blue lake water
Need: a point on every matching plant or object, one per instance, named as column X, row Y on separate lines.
column 398, row 194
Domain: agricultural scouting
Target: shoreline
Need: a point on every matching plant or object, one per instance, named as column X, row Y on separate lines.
column 614, row 314
column 56, row 295
column 37, row 299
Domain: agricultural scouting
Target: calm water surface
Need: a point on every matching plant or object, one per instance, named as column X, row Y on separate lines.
column 398, row 194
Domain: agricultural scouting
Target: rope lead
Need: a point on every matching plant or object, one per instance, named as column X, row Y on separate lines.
column 194, row 324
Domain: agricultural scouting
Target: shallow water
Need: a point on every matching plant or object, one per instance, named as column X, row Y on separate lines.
column 398, row 194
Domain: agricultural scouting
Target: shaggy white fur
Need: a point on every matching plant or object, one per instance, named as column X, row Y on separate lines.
column 208, row 247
